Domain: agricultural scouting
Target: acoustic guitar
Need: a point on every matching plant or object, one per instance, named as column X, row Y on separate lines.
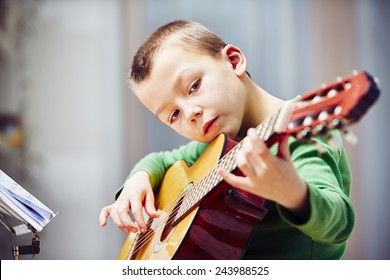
column 201, row 217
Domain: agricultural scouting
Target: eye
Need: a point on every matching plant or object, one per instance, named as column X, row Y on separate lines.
column 174, row 116
column 195, row 85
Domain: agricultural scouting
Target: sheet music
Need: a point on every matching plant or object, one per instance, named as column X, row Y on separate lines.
column 22, row 205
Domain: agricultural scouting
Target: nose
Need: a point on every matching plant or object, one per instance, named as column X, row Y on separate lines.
column 194, row 112
column 195, row 117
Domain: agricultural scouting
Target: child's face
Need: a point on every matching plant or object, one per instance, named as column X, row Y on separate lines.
column 195, row 94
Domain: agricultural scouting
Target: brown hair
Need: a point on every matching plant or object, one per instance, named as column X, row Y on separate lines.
column 195, row 36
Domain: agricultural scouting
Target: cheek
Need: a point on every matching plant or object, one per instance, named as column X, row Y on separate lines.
column 183, row 130
column 227, row 92
column 217, row 97
column 191, row 133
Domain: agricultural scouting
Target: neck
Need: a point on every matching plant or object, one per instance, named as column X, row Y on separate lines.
column 259, row 105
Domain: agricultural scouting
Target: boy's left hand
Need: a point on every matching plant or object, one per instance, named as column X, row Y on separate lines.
column 269, row 176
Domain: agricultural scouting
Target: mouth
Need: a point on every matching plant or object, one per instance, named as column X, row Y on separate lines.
column 209, row 125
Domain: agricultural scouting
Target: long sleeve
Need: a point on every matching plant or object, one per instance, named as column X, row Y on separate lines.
column 331, row 221
column 328, row 178
column 156, row 164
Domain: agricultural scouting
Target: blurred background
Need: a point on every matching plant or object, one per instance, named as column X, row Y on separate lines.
column 71, row 129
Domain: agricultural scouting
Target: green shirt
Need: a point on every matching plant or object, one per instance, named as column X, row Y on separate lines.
column 278, row 236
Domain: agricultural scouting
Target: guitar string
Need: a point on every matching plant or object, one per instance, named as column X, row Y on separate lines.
column 264, row 130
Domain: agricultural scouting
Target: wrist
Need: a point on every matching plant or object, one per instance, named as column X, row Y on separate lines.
column 137, row 178
column 298, row 203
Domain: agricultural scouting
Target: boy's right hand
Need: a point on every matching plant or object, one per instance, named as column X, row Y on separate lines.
column 137, row 194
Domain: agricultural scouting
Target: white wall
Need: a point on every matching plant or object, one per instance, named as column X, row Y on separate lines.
column 72, row 63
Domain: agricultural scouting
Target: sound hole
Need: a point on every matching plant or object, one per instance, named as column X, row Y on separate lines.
column 169, row 226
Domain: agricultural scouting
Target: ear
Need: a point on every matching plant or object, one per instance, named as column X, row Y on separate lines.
column 236, row 58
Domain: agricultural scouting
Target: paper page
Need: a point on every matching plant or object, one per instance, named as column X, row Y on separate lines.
column 22, row 205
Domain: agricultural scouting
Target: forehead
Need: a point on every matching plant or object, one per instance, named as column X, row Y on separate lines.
column 175, row 54
column 171, row 66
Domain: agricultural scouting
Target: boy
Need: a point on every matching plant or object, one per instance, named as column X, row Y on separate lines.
column 198, row 85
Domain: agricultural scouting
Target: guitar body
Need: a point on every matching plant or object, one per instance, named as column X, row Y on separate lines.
column 220, row 227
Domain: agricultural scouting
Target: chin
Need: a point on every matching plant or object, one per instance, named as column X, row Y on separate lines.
column 207, row 138
column 231, row 133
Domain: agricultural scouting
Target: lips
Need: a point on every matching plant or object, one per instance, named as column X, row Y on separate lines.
column 209, row 125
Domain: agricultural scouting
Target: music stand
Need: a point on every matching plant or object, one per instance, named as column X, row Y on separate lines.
column 21, row 229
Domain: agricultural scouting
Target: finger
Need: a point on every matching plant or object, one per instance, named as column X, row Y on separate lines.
column 256, row 145
column 104, row 214
column 250, row 159
column 126, row 224
column 233, row 180
column 149, row 205
column 244, row 159
column 284, row 149
column 136, row 209
column 245, row 162
column 119, row 213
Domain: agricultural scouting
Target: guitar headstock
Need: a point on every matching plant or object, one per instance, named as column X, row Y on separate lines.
column 333, row 106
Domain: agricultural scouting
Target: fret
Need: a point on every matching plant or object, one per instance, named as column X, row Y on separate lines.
column 229, row 159
column 266, row 129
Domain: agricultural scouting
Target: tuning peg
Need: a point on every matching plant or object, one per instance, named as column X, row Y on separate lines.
column 335, row 141
column 332, row 93
column 317, row 99
column 319, row 129
column 347, row 86
column 338, row 110
column 377, row 82
column 323, row 115
column 320, row 147
column 335, row 124
column 303, row 134
column 350, row 137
